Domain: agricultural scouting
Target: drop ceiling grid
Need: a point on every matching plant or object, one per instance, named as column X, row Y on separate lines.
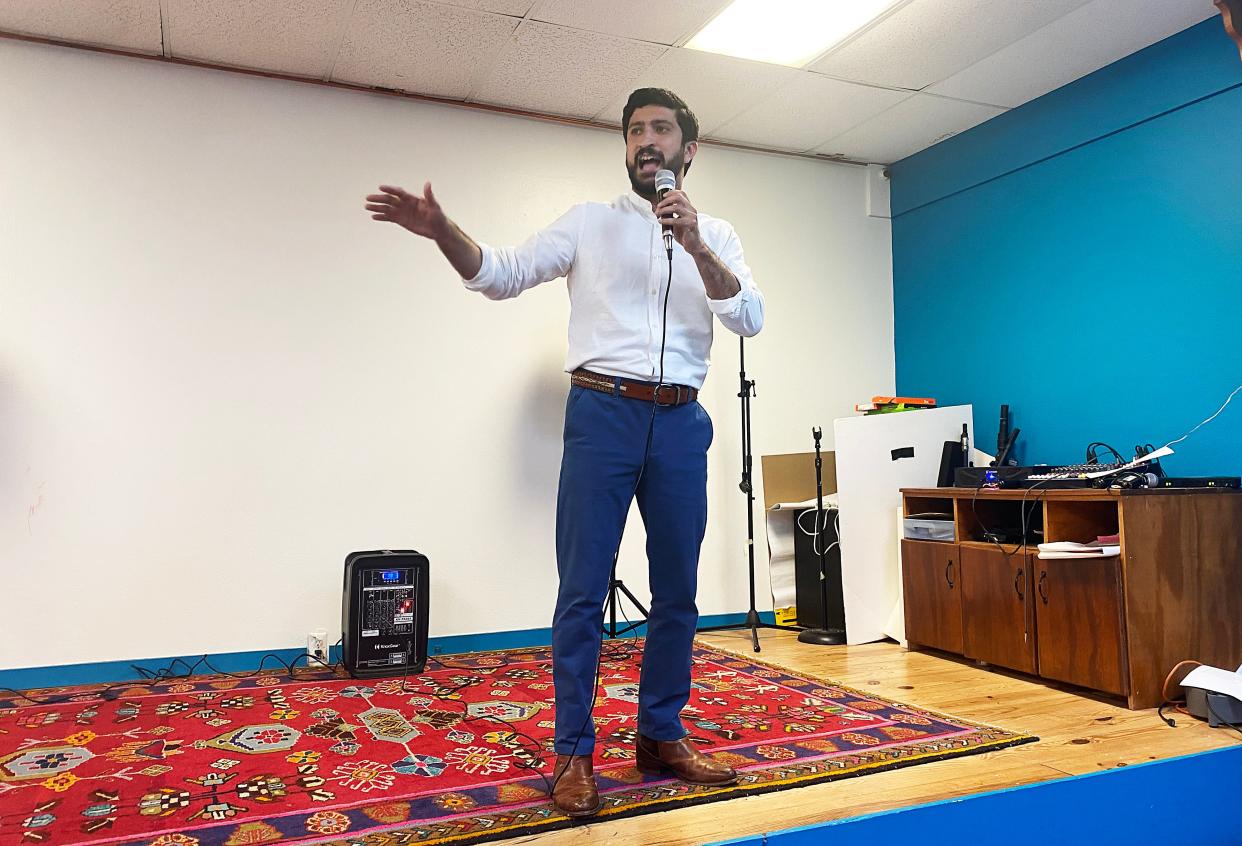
column 119, row 24
column 927, row 41
column 638, row 20
column 541, row 58
column 912, row 125
column 512, row 8
column 717, row 88
column 1022, row 72
column 294, row 37
column 426, row 48
column 807, row 111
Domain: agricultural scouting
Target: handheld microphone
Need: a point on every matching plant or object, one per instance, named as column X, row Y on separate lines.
column 665, row 181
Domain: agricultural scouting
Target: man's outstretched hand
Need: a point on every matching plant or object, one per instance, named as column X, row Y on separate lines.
column 421, row 215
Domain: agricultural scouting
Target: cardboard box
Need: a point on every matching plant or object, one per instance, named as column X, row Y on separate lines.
column 791, row 477
column 787, row 479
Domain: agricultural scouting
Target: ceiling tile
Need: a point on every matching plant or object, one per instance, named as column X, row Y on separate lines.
column 806, row 110
column 716, row 88
column 1083, row 41
column 562, row 71
column 663, row 23
column 426, row 48
column 929, row 40
column 120, row 24
column 912, row 125
column 288, row 36
column 501, row 7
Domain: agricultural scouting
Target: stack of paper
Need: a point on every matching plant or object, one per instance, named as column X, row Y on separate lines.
column 1215, row 680
column 1068, row 549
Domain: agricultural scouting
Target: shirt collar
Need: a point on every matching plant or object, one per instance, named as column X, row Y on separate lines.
column 638, row 204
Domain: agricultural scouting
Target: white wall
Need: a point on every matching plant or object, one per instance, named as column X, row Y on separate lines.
column 218, row 376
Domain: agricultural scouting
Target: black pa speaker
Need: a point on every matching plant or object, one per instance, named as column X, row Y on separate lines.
column 384, row 613
column 951, row 459
column 808, row 594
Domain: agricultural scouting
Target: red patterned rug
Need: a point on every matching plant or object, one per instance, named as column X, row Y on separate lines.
column 220, row 761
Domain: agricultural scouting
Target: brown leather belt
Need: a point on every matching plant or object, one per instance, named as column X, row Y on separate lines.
column 671, row 395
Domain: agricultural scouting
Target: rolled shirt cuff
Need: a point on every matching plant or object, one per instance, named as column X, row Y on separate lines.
column 483, row 278
column 732, row 307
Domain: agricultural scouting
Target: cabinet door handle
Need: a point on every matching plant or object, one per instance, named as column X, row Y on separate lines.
column 948, row 573
column 1018, row 586
column 1043, row 586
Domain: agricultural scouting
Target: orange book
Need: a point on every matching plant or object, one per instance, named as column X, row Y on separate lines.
column 924, row 401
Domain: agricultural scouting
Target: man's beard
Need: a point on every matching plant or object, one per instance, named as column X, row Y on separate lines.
column 646, row 188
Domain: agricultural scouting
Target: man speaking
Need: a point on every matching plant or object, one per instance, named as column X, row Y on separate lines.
column 640, row 331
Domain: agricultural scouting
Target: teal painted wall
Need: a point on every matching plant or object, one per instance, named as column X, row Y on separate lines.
column 1080, row 258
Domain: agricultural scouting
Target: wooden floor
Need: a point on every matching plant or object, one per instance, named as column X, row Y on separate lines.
column 1078, row 734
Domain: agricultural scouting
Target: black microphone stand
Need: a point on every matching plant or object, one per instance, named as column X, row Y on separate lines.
column 745, row 391
column 823, row 636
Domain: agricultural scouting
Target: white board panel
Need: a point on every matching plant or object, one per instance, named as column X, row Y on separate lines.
column 877, row 456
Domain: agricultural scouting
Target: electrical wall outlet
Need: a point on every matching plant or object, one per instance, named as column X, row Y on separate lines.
column 317, row 649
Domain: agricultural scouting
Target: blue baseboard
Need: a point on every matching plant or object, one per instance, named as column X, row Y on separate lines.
column 103, row 672
column 454, row 644
column 1139, row 804
column 242, row 662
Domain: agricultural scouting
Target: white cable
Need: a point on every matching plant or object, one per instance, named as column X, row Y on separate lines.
column 1209, row 420
column 814, row 534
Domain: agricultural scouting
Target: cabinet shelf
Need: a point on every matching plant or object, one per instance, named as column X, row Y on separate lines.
column 1009, row 548
column 1117, row 624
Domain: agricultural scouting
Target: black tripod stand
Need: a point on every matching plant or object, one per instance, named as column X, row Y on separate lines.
column 745, row 391
column 615, row 586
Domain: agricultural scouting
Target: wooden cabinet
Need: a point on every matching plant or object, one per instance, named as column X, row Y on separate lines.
column 1081, row 626
column 998, row 614
column 933, row 594
column 1116, row 625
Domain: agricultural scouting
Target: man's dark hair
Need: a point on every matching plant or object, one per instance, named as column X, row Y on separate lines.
column 662, row 97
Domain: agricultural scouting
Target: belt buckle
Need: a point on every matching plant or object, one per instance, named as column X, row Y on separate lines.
column 676, row 397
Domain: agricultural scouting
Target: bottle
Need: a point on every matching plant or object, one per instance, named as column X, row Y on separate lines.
column 965, row 447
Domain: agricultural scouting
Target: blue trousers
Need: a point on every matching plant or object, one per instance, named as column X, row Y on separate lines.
column 602, row 470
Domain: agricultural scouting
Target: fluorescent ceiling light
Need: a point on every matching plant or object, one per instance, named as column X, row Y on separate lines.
column 784, row 32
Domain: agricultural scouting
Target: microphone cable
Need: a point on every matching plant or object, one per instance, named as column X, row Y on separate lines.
column 637, row 482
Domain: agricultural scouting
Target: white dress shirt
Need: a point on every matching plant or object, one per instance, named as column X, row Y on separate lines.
column 613, row 257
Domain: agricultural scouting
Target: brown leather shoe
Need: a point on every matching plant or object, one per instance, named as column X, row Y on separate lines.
column 683, row 760
column 574, row 793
